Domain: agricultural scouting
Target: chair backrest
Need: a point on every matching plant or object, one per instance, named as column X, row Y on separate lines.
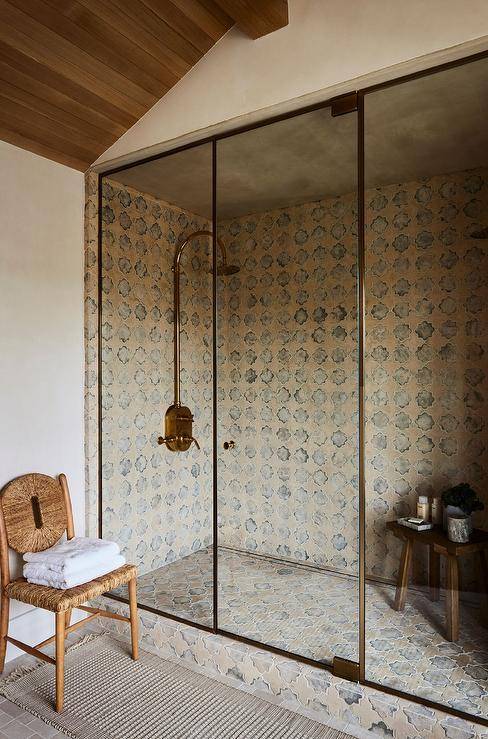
column 36, row 511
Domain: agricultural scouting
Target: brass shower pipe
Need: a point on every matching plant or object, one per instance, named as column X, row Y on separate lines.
column 178, row 418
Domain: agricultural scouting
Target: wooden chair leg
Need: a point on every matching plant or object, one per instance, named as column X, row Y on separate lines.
column 403, row 573
column 134, row 623
column 60, row 635
column 452, row 599
column 434, row 573
column 4, row 614
column 67, row 619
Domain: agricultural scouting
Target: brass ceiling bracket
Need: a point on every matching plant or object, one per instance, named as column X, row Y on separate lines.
column 344, row 104
column 346, row 669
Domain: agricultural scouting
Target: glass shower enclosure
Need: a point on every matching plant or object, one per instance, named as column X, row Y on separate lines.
column 292, row 349
column 266, row 358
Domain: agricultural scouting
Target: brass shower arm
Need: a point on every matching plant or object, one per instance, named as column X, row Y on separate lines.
column 196, row 235
column 178, row 419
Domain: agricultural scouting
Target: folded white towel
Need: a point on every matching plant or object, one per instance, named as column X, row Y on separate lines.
column 74, row 555
column 40, row 574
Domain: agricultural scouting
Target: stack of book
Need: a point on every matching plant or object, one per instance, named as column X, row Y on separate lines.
column 415, row 523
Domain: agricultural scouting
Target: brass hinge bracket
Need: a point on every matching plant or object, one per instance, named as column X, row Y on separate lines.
column 346, row 669
column 344, row 104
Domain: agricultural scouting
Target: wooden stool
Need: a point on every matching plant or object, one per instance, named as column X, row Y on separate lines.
column 35, row 511
column 439, row 544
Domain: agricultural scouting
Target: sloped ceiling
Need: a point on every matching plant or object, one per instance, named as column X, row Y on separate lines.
column 76, row 74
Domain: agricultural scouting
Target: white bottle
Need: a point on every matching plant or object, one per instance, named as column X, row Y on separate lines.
column 423, row 508
column 436, row 511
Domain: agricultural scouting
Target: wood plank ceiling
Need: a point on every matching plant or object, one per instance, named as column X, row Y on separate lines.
column 76, row 74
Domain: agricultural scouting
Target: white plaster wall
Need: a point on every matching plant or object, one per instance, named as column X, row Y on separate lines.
column 41, row 332
column 327, row 48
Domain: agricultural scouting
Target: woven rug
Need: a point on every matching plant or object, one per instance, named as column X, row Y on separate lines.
column 109, row 696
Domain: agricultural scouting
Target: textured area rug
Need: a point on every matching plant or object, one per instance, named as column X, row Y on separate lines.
column 109, row 696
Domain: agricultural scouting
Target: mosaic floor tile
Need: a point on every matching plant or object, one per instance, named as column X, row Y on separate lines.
column 314, row 613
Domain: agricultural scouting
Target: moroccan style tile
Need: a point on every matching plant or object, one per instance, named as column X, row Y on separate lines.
column 312, row 691
column 287, row 362
column 314, row 613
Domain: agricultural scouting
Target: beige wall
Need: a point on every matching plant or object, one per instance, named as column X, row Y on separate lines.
column 328, row 48
column 41, row 325
column 426, row 364
column 288, row 384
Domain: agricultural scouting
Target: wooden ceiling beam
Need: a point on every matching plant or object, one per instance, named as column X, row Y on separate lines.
column 257, row 18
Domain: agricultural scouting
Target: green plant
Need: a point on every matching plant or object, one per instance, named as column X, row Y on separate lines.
column 463, row 496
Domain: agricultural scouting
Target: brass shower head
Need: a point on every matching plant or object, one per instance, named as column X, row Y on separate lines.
column 227, row 269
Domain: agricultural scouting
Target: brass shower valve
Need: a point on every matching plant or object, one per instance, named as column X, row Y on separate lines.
column 178, row 428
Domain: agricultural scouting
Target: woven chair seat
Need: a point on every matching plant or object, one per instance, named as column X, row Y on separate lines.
column 52, row 599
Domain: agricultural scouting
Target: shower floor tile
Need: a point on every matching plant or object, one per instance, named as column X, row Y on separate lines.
column 314, row 613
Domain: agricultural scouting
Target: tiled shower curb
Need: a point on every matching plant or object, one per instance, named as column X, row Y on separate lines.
column 356, row 709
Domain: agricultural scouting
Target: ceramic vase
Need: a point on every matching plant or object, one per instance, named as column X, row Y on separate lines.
column 456, row 511
column 453, row 510
column 458, row 528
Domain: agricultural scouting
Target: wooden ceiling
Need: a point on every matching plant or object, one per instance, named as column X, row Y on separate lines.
column 76, row 74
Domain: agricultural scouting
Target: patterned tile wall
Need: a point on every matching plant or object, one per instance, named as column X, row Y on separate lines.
column 287, row 368
column 426, row 285
column 426, row 363
column 288, row 379
column 157, row 504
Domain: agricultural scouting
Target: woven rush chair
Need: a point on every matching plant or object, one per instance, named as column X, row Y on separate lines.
column 35, row 511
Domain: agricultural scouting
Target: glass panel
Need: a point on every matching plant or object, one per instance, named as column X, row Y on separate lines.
column 157, row 503
column 427, row 381
column 287, row 385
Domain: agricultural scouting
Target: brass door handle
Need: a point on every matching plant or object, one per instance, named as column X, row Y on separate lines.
column 229, row 444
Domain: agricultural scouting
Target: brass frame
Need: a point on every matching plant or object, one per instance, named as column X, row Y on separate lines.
column 340, row 105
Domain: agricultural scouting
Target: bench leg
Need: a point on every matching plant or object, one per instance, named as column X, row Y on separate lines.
column 134, row 623
column 403, row 573
column 60, row 634
column 482, row 558
column 434, row 573
column 4, row 614
column 452, row 600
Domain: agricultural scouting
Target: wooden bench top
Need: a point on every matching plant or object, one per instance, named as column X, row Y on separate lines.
column 437, row 538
